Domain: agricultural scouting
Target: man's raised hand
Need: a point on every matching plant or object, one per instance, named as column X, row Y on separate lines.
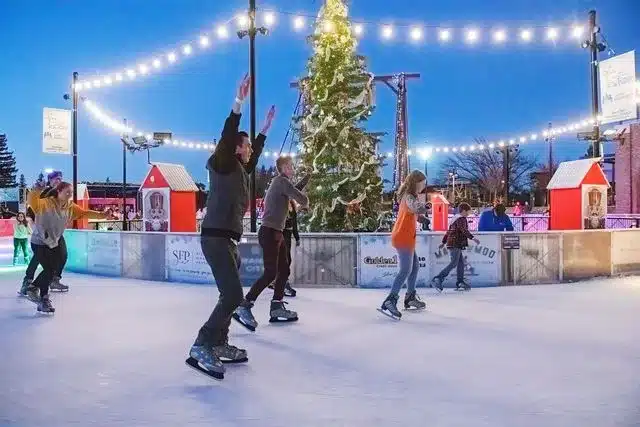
column 268, row 120
column 243, row 89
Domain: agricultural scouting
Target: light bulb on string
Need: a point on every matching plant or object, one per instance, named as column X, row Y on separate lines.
column 96, row 83
column 243, row 21
column 108, row 81
column 552, row 34
column 499, row 36
column 222, row 32
column 143, row 69
column 444, row 35
column 187, row 49
column 471, row 36
column 204, row 41
column 387, row 32
column 577, row 31
column 156, row 63
column 298, row 22
column 526, row 35
column 118, row 77
column 416, row 34
column 171, row 57
column 358, row 29
column 131, row 74
column 269, row 18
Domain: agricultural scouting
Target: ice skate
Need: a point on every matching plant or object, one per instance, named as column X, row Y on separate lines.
column 389, row 307
column 44, row 305
column 244, row 316
column 436, row 282
column 202, row 359
column 413, row 301
column 33, row 293
column 289, row 291
column 463, row 286
column 56, row 285
column 25, row 286
column 228, row 353
column 280, row 314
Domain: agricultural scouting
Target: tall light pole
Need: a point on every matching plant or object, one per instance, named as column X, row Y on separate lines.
column 74, row 135
column 124, row 178
column 251, row 32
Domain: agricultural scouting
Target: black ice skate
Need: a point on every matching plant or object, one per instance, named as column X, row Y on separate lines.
column 289, row 291
column 228, row 353
column 436, row 282
column 389, row 307
column 44, row 306
column 280, row 314
column 244, row 316
column 33, row 294
column 58, row 286
column 413, row 301
column 24, row 288
column 202, row 359
column 463, row 286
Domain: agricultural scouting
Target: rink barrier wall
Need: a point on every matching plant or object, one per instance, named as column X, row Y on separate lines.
column 364, row 260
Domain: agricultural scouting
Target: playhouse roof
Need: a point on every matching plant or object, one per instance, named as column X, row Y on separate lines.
column 176, row 176
column 438, row 197
column 571, row 174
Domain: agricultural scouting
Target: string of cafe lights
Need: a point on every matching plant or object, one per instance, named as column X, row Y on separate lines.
column 415, row 33
column 444, row 34
column 120, row 128
column 424, row 152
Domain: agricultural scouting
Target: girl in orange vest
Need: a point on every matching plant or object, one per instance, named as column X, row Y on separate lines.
column 403, row 239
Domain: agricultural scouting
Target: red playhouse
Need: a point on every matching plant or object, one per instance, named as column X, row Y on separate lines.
column 169, row 199
column 578, row 196
column 439, row 212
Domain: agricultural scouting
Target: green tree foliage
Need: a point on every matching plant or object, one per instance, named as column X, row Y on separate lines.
column 8, row 168
column 345, row 190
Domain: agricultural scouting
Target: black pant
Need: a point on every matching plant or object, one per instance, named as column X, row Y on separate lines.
column 288, row 235
column 51, row 260
column 223, row 258
column 276, row 264
column 33, row 264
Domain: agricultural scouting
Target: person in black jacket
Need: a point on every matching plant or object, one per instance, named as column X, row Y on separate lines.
column 234, row 158
column 53, row 179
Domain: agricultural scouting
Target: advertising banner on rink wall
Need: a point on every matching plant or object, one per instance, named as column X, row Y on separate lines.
column 104, row 253
column 185, row 261
column 481, row 262
column 379, row 261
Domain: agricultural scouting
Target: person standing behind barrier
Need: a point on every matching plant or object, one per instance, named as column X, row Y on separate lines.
column 52, row 215
column 21, row 233
column 274, row 251
column 456, row 240
column 53, row 179
column 234, row 158
column 403, row 239
column 495, row 219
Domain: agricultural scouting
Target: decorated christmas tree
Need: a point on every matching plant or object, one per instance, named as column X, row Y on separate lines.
column 345, row 191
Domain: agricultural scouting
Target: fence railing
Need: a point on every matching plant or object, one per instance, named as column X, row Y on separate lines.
column 365, row 260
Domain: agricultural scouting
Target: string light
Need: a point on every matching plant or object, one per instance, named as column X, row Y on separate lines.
column 387, row 31
column 269, row 18
column 526, row 35
column 358, row 29
column 577, row 31
column 119, row 127
column 298, row 22
column 471, row 36
column 416, row 33
column 552, row 34
column 499, row 36
column 204, row 41
column 243, row 21
column 444, row 35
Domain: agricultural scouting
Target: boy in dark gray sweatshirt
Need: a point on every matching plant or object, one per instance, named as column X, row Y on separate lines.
column 229, row 167
column 274, row 250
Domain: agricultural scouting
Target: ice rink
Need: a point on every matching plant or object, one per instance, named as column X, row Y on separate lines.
column 113, row 355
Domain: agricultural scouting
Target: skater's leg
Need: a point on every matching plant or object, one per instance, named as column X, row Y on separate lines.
column 455, row 255
column 282, row 274
column 270, row 241
column 405, row 261
column 64, row 255
column 221, row 255
column 16, row 249
column 413, row 275
column 32, row 267
column 25, row 250
column 460, row 269
column 50, row 261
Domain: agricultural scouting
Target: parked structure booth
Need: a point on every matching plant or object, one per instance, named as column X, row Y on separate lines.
column 439, row 212
column 169, row 199
column 578, row 196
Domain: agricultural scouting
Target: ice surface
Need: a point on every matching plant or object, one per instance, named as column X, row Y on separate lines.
column 113, row 355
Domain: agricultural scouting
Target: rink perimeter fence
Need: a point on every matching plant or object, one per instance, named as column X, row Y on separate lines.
column 364, row 260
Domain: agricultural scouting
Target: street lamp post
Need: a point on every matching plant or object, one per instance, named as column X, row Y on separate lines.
column 452, row 176
column 124, row 179
column 252, row 31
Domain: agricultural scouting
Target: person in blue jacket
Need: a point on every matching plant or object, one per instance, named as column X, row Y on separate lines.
column 495, row 219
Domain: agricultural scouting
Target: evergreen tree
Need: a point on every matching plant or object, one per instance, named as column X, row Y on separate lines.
column 345, row 191
column 8, row 168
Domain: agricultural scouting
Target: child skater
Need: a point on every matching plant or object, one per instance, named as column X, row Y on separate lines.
column 52, row 215
column 456, row 240
column 403, row 239
column 21, row 232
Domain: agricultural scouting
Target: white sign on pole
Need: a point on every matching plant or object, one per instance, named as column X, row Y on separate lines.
column 56, row 131
column 618, row 88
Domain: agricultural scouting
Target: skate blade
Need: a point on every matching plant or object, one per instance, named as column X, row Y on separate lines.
column 234, row 361
column 415, row 309
column 386, row 313
column 59, row 290
column 193, row 364
column 237, row 319
column 282, row 320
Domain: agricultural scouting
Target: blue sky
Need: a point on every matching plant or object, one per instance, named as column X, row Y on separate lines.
column 464, row 92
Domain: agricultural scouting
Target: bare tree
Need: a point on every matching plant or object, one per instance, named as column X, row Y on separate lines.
column 485, row 169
